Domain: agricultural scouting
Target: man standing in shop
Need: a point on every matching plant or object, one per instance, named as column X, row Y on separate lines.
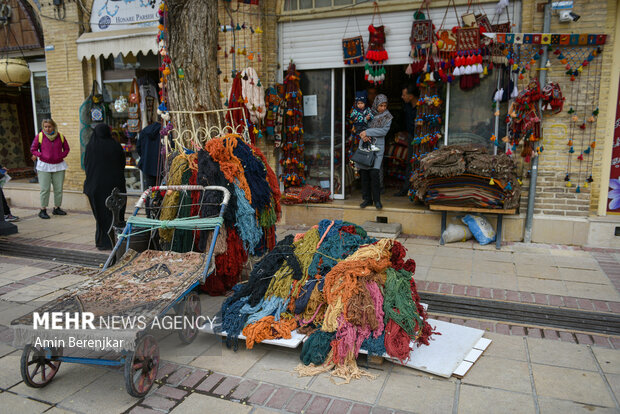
column 409, row 96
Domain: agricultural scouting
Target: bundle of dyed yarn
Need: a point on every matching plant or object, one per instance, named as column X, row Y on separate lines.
column 347, row 291
column 251, row 215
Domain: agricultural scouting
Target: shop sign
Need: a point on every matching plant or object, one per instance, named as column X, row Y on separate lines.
column 613, row 203
column 109, row 15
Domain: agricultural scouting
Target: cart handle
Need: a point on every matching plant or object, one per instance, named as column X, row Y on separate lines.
column 145, row 194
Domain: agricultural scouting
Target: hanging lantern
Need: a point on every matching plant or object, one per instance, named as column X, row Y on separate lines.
column 14, row 72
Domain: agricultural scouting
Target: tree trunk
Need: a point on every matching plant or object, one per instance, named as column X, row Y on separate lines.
column 192, row 45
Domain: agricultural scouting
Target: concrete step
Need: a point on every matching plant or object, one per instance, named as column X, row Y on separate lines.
column 382, row 230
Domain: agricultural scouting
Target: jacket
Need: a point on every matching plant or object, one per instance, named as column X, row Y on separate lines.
column 149, row 143
column 104, row 163
column 51, row 152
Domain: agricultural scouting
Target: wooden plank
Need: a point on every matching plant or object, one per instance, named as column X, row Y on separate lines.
column 438, row 207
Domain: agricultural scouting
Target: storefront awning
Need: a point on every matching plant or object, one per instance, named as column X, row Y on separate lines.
column 95, row 44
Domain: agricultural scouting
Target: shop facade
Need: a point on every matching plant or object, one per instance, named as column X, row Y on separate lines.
column 562, row 214
column 22, row 108
column 290, row 31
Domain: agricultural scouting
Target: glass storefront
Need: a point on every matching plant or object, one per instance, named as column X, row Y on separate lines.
column 326, row 130
column 41, row 96
column 118, row 74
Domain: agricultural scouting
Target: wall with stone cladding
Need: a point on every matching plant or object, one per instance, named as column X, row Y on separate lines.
column 552, row 195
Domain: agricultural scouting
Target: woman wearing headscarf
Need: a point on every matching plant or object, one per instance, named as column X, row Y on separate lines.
column 104, row 164
column 50, row 148
column 378, row 129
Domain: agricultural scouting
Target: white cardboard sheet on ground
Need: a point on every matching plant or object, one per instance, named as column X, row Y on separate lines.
column 296, row 338
column 445, row 352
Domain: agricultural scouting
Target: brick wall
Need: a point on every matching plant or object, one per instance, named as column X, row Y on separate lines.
column 66, row 81
column 552, row 194
column 263, row 16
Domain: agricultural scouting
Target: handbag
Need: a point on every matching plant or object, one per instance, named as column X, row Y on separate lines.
column 133, row 123
column 364, row 158
column 134, row 92
column 352, row 47
column 96, row 109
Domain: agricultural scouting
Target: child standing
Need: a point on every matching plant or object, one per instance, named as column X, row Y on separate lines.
column 361, row 116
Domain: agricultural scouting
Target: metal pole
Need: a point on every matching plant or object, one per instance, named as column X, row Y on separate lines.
column 542, row 77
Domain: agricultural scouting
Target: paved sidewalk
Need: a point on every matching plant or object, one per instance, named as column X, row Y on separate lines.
column 526, row 369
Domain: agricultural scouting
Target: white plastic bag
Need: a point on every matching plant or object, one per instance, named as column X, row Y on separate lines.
column 480, row 228
column 455, row 233
column 5, row 179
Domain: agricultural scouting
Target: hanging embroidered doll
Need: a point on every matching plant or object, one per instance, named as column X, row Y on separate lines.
column 552, row 99
column 376, row 55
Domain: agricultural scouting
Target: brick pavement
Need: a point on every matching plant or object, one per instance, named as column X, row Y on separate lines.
column 177, row 382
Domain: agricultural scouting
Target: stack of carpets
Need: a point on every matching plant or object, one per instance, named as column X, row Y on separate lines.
column 466, row 176
column 344, row 289
column 251, row 215
column 305, row 194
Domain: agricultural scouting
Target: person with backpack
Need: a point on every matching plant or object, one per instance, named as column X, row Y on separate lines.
column 51, row 148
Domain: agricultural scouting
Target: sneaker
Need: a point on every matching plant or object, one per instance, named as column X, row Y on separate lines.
column 374, row 148
column 365, row 204
column 10, row 217
column 59, row 212
column 378, row 205
column 43, row 214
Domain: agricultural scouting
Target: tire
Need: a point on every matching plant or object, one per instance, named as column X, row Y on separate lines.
column 191, row 309
column 141, row 367
column 46, row 367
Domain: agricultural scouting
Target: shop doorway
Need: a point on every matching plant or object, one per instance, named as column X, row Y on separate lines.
column 329, row 96
column 468, row 118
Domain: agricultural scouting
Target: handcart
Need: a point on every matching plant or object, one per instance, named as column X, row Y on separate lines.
column 141, row 287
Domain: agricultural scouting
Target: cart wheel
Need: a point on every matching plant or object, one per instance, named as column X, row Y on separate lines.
column 141, row 367
column 191, row 310
column 36, row 368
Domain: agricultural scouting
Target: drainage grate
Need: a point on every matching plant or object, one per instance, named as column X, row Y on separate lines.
column 579, row 320
column 54, row 254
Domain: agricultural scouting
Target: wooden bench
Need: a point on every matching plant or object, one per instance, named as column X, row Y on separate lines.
column 499, row 212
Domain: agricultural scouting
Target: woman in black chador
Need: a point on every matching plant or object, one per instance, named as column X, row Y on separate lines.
column 104, row 164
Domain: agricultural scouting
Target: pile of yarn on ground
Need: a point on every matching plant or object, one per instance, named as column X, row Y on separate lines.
column 465, row 175
column 347, row 291
column 251, row 215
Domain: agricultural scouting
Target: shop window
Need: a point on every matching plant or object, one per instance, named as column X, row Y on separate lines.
column 41, row 97
column 471, row 118
column 316, row 88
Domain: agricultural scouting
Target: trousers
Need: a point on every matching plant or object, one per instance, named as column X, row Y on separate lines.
column 47, row 179
column 371, row 185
